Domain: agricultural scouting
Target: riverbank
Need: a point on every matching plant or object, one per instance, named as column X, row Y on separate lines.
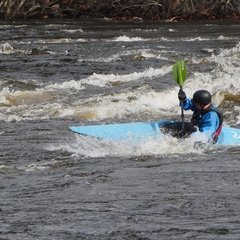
column 120, row 10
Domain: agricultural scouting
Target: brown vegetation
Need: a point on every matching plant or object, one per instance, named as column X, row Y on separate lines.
column 120, row 9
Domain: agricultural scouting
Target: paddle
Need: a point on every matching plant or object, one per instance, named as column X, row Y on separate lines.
column 180, row 74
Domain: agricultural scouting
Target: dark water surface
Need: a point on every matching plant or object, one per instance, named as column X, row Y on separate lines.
column 57, row 185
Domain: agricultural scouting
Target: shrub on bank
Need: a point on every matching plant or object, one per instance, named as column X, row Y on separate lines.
column 120, row 9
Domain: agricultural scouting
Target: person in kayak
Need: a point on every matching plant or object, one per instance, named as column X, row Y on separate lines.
column 205, row 116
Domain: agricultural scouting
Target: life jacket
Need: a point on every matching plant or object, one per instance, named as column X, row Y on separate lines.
column 197, row 116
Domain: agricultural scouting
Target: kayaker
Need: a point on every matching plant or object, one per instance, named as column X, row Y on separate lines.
column 205, row 116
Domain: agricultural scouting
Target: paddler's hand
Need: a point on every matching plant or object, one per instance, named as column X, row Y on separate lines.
column 182, row 95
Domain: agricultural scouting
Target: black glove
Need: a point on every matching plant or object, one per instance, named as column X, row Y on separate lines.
column 182, row 95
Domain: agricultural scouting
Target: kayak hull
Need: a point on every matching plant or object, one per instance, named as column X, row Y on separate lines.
column 140, row 131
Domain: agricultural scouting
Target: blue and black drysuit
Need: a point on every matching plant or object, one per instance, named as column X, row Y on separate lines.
column 208, row 121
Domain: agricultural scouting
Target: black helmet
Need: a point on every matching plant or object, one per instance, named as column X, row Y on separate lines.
column 202, row 97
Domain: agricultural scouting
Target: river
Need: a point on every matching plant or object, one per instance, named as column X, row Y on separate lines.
column 58, row 185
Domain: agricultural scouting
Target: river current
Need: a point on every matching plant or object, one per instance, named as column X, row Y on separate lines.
column 55, row 184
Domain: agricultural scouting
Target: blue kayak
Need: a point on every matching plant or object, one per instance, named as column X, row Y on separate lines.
column 140, row 131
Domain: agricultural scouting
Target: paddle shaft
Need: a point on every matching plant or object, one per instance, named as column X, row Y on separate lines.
column 182, row 112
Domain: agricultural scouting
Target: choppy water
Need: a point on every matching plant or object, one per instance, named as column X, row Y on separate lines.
column 57, row 185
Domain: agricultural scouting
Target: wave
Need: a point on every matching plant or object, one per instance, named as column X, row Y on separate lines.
column 134, row 99
column 129, row 39
column 128, row 55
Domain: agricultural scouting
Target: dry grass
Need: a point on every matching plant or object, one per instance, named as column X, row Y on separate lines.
column 120, row 9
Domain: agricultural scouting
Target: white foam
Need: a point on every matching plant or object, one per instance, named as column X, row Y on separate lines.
column 94, row 148
column 124, row 38
column 71, row 84
column 128, row 55
column 59, row 40
column 103, row 80
column 196, row 39
column 6, row 48
column 37, row 166
column 72, row 30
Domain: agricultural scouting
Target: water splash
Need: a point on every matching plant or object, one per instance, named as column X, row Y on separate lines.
column 100, row 148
